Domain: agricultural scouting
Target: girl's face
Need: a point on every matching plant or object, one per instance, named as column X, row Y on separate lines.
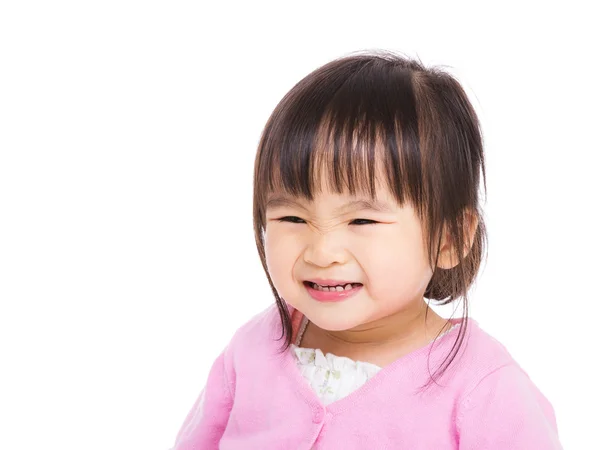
column 347, row 238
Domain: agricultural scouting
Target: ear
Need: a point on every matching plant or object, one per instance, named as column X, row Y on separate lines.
column 448, row 253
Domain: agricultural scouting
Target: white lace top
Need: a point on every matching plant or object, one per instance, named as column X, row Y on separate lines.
column 332, row 377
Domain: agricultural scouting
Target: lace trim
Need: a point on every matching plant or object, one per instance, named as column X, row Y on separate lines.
column 314, row 356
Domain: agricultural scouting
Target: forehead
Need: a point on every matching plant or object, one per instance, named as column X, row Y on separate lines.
column 340, row 202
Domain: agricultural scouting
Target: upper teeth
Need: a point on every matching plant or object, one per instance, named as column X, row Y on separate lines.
column 332, row 288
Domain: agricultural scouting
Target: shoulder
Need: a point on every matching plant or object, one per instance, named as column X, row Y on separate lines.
column 253, row 352
column 506, row 409
column 479, row 355
column 482, row 354
column 489, row 360
column 496, row 389
column 262, row 326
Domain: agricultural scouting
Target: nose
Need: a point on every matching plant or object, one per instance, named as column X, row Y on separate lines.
column 325, row 250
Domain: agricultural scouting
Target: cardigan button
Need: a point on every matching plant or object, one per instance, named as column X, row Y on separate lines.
column 318, row 416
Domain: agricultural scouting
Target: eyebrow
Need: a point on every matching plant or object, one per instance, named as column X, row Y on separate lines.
column 355, row 205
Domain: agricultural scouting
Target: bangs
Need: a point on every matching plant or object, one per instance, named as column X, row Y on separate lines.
column 348, row 134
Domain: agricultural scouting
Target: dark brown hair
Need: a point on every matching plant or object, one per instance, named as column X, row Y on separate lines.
column 417, row 122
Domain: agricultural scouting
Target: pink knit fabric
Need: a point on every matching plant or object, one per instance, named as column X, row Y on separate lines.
column 255, row 398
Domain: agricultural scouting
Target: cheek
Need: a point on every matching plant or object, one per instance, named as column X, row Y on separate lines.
column 281, row 252
column 395, row 265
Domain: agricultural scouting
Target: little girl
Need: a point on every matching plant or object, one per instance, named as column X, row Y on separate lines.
column 366, row 208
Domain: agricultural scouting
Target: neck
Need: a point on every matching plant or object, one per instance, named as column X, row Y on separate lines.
column 401, row 328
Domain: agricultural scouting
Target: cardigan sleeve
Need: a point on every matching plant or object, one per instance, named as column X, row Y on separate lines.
column 507, row 411
column 206, row 421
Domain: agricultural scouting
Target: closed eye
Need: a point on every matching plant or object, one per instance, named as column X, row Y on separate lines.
column 363, row 222
column 291, row 219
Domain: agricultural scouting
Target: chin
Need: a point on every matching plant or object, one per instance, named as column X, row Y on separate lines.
column 333, row 321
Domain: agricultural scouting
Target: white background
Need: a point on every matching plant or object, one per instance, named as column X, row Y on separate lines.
column 127, row 139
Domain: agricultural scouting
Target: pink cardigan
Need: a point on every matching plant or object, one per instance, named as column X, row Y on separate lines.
column 256, row 398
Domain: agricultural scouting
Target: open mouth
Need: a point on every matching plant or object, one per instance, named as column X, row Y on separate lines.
column 333, row 288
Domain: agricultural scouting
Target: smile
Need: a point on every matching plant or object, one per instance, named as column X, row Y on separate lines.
column 333, row 292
